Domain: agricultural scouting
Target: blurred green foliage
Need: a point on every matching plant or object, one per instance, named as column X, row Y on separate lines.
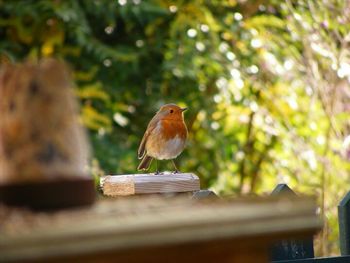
column 266, row 83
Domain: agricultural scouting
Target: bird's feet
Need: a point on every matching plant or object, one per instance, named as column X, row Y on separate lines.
column 158, row 173
column 176, row 172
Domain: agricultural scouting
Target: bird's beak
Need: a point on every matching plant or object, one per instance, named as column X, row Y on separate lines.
column 183, row 109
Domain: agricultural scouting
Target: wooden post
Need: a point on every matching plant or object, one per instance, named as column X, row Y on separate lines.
column 291, row 249
column 344, row 224
column 132, row 184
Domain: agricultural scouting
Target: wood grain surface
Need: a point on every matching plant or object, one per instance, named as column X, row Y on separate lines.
column 131, row 184
column 151, row 229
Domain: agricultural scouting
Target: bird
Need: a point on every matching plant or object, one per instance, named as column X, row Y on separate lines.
column 165, row 137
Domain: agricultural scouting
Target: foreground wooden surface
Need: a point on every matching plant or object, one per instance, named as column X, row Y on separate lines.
column 153, row 229
column 131, row 184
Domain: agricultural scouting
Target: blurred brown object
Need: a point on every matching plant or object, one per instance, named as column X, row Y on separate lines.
column 157, row 229
column 43, row 148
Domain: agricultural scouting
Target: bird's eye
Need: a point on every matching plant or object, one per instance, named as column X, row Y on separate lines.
column 171, row 111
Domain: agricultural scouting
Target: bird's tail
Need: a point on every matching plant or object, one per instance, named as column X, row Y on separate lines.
column 145, row 163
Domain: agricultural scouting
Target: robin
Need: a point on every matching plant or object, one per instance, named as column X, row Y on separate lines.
column 164, row 138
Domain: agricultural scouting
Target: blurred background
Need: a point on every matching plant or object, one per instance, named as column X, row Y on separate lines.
column 266, row 84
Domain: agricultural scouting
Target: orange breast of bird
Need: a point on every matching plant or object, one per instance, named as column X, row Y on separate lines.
column 171, row 129
column 167, row 140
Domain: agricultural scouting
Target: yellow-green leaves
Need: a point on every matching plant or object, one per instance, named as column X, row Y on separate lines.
column 94, row 119
column 93, row 91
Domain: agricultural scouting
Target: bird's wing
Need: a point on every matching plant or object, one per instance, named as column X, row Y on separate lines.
column 141, row 151
column 142, row 148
